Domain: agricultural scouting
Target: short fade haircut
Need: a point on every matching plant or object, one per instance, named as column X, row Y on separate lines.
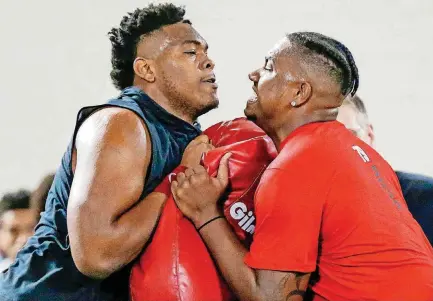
column 125, row 38
column 14, row 201
column 331, row 55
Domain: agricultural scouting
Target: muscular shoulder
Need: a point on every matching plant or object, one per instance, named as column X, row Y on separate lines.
column 113, row 126
column 114, row 135
column 304, row 152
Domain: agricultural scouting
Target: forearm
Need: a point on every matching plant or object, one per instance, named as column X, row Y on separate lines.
column 137, row 223
column 229, row 254
column 133, row 229
column 249, row 284
column 105, row 247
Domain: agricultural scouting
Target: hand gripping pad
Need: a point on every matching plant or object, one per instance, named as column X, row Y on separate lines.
column 176, row 265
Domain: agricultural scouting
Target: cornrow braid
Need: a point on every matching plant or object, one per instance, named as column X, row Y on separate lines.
column 133, row 26
column 347, row 71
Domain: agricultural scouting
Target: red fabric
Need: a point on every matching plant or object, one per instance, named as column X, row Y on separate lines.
column 329, row 191
column 237, row 130
column 176, row 264
column 165, row 186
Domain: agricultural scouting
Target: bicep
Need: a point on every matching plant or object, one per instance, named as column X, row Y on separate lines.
column 284, row 286
column 111, row 162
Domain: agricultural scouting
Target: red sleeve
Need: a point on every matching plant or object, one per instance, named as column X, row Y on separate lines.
column 289, row 208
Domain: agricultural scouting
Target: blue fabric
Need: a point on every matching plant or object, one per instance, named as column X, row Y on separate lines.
column 44, row 269
column 418, row 193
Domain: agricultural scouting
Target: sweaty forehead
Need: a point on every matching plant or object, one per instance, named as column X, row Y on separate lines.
column 181, row 32
column 281, row 48
column 282, row 54
column 168, row 36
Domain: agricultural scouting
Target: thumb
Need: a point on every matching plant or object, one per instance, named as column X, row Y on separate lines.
column 223, row 169
column 174, row 186
column 201, row 139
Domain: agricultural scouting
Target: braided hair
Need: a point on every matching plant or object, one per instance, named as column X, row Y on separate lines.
column 124, row 40
column 332, row 55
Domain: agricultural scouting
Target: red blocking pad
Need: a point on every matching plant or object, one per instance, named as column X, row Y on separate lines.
column 176, row 265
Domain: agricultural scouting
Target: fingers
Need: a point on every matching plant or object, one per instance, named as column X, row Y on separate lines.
column 183, row 180
column 199, row 179
column 223, row 169
column 180, row 178
column 196, row 170
column 205, row 147
column 174, row 186
column 178, row 188
column 196, row 175
column 189, row 172
column 199, row 169
column 201, row 139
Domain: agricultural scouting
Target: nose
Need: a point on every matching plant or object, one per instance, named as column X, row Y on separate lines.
column 254, row 76
column 208, row 64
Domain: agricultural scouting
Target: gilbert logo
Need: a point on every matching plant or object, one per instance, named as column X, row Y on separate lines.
column 239, row 212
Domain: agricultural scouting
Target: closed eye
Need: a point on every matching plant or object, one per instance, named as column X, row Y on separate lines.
column 191, row 52
column 268, row 65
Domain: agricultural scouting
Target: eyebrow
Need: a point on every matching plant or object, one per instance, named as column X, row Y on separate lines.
column 196, row 42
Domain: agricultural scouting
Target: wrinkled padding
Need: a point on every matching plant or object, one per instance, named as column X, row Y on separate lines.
column 176, row 265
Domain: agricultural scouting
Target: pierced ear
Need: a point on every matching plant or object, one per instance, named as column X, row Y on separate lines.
column 143, row 68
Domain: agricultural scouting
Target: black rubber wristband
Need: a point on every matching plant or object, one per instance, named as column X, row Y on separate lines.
column 209, row 221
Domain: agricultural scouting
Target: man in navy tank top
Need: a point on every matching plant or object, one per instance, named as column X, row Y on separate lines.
column 99, row 214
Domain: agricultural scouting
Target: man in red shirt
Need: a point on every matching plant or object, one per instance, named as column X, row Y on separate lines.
column 329, row 209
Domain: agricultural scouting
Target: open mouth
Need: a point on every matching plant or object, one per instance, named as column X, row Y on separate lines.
column 210, row 80
column 253, row 98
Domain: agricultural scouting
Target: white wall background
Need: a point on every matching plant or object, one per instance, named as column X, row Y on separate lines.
column 55, row 58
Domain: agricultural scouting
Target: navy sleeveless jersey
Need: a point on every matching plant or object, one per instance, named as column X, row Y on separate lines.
column 44, row 269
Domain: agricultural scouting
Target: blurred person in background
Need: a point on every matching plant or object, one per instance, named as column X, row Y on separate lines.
column 417, row 189
column 17, row 222
column 40, row 194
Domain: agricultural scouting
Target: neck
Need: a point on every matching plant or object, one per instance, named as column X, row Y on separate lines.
column 294, row 122
column 164, row 102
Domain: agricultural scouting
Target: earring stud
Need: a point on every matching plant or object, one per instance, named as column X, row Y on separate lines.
column 293, row 103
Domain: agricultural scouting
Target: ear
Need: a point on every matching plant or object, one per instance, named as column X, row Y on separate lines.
column 302, row 93
column 144, row 69
column 370, row 134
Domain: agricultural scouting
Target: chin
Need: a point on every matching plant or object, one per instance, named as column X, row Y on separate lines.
column 250, row 115
column 214, row 103
column 208, row 106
